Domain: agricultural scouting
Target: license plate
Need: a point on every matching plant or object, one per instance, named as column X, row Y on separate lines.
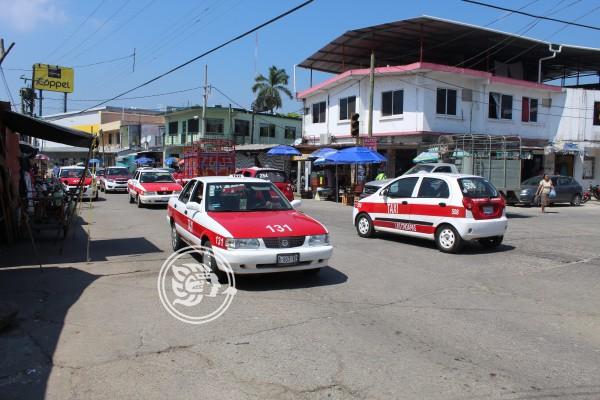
column 284, row 259
column 488, row 210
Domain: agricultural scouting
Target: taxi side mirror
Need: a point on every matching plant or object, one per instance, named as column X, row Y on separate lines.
column 193, row 206
column 385, row 192
column 296, row 204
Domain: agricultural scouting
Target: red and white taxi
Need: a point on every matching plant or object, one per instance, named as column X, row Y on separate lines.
column 152, row 186
column 448, row 208
column 277, row 176
column 250, row 223
column 70, row 177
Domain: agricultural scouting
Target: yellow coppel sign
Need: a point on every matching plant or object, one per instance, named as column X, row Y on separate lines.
column 53, row 78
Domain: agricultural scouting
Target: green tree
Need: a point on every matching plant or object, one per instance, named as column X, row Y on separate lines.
column 268, row 90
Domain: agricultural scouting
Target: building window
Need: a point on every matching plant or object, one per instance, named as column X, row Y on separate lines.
column 347, row 107
column 318, row 112
column 588, row 167
column 241, row 127
column 110, row 138
column 267, row 130
column 183, row 131
column 215, row 126
column 173, row 127
column 500, row 106
column 446, row 102
column 193, row 125
column 596, row 120
column 392, row 103
column 290, row 132
column 157, row 140
column 529, row 109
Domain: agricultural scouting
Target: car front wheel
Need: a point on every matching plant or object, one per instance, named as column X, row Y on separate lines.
column 139, row 201
column 210, row 261
column 131, row 199
column 364, row 226
column 448, row 240
column 176, row 241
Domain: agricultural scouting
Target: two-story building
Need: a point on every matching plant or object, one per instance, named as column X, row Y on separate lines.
column 436, row 77
column 183, row 126
column 120, row 130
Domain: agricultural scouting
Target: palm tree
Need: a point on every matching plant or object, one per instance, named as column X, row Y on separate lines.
column 269, row 90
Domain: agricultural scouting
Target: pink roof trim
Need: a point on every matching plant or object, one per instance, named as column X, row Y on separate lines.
column 431, row 67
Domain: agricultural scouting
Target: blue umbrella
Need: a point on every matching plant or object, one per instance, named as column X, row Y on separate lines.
column 323, row 152
column 144, row 160
column 283, row 150
column 427, row 156
column 171, row 160
column 355, row 155
column 94, row 161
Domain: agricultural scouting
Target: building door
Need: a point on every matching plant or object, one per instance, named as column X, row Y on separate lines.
column 563, row 164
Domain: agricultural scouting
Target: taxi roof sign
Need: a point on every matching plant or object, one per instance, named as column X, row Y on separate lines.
column 53, row 78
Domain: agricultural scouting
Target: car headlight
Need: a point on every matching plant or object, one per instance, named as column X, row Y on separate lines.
column 235, row 244
column 319, row 240
column 149, row 193
column 110, row 180
column 525, row 191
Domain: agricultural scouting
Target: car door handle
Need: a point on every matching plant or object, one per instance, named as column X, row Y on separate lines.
column 404, row 202
column 442, row 204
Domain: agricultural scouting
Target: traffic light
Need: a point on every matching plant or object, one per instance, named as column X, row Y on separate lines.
column 354, row 124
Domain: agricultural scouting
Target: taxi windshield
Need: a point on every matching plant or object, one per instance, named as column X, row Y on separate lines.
column 117, row 171
column 244, row 197
column 271, row 176
column 73, row 173
column 156, row 177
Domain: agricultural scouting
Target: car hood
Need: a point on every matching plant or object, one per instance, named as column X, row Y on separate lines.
column 160, row 186
column 254, row 224
column 75, row 181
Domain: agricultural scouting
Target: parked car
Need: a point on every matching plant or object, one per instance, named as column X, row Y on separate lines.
column 152, row 186
column 276, row 176
column 568, row 190
column 250, row 224
column 373, row 186
column 71, row 178
column 433, row 167
column 447, row 208
column 114, row 179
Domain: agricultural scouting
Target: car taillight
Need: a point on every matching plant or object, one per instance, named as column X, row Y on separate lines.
column 468, row 203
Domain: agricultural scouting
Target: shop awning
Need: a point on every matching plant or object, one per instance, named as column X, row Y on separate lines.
column 45, row 130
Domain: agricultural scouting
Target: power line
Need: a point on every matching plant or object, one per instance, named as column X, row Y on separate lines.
column 532, row 15
column 76, row 29
column 12, row 101
column 129, row 98
column 78, row 66
column 238, row 37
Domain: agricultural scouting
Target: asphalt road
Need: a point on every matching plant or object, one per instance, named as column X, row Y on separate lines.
column 391, row 318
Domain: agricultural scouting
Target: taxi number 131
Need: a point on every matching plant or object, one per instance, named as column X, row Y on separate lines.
column 279, row 228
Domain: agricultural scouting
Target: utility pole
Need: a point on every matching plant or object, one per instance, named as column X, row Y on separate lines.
column 3, row 53
column 371, row 90
column 40, row 103
column 205, row 101
column 133, row 67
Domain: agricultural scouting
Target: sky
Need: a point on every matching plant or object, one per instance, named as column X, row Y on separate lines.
column 98, row 38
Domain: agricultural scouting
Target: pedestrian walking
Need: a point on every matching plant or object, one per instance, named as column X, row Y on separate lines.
column 55, row 170
column 543, row 190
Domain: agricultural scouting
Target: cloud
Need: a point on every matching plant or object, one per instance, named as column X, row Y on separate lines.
column 26, row 15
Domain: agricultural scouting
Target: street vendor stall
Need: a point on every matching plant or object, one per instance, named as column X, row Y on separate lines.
column 40, row 200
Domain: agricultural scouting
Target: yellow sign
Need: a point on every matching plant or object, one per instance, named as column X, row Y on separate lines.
column 53, row 78
column 89, row 128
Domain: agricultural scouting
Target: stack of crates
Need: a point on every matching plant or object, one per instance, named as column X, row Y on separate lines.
column 209, row 157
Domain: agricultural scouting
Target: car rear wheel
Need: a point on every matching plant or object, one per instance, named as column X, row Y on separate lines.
column 364, row 226
column 491, row 242
column 447, row 239
column 576, row 200
column 176, row 241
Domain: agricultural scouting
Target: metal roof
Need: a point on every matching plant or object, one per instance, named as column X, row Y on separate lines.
column 450, row 43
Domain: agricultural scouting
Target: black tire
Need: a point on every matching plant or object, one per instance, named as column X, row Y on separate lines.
column 176, row 242
column 576, row 200
column 97, row 194
column 138, row 201
column 364, row 226
column 491, row 242
column 131, row 199
column 211, row 262
column 447, row 239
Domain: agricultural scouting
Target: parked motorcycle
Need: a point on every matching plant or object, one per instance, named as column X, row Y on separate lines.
column 591, row 191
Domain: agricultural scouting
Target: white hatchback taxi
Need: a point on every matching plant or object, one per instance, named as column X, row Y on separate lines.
column 447, row 208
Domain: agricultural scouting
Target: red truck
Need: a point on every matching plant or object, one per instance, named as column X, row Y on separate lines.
column 207, row 157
